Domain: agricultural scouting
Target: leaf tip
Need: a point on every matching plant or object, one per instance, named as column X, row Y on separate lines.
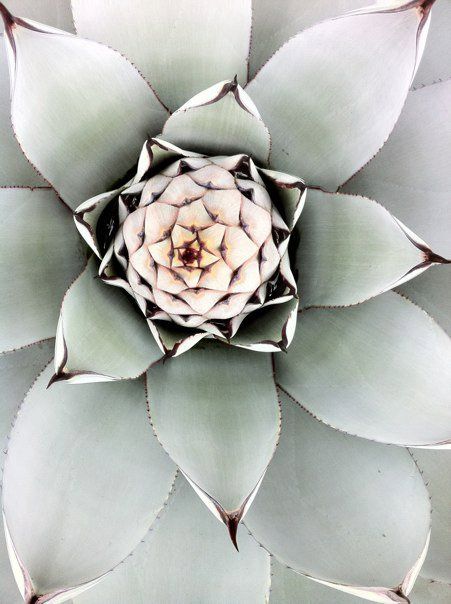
column 56, row 377
column 232, row 522
column 8, row 18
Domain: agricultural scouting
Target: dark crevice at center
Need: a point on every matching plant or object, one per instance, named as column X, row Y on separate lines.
column 107, row 225
column 189, row 255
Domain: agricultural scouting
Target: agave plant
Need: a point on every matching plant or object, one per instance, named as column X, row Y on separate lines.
column 204, row 212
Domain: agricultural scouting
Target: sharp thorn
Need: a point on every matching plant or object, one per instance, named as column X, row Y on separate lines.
column 232, row 522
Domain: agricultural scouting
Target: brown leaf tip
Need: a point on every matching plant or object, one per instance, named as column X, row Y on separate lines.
column 425, row 6
column 232, row 521
column 433, row 258
column 8, row 18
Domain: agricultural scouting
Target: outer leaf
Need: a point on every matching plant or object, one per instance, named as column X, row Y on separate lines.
column 434, row 65
column 17, row 371
column 8, row 588
column 344, row 510
column 74, row 456
column 411, row 175
column 381, row 370
column 14, row 167
column 56, row 13
column 436, row 469
column 431, row 592
column 101, row 336
column 215, row 411
column 272, row 27
column 202, row 565
column 340, row 87
column 432, row 291
column 221, row 120
column 351, row 249
column 79, row 109
column 288, row 587
column 33, row 224
column 181, row 47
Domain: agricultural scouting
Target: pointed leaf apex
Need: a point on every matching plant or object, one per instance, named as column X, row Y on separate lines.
column 56, row 377
column 425, row 5
column 401, row 595
column 433, row 258
column 8, row 18
column 232, row 521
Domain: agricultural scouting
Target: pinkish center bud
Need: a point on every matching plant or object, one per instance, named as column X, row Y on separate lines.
column 201, row 245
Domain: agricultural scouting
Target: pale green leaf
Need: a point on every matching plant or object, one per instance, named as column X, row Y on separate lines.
column 80, row 110
column 84, row 479
column 18, row 370
column 289, row 587
column 432, row 291
column 351, row 249
column 40, row 254
column 332, row 94
column 288, row 193
column 411, row 174
column 431, row 592
column 272, row 27
column 15, row 169
column 435, row 65
column 341, row 509
column 220, row 121
column 175, row 339
column 186, row 557
column 270, row 329
column 181, row 47
column 381, row 370
column 215, row 411
column 8, row 588
column 56, row 13
column 436, row 469
column 101, row 333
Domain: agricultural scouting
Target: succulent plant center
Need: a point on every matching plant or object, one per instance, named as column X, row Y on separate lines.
column 199, row 249
column 196, row 241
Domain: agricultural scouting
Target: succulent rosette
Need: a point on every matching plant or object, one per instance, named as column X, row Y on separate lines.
column 225, row 242
column 199, row 242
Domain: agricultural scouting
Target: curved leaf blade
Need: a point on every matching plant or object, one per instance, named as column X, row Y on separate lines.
column 340, row 509
column 15, row 169
column 272, row 27
column 190, row 542
column 340, row 87
column 101, row 336
column 436, row 469
column 180, row 47
column 56, row 13
column 80, row 110
column 351, row 249
column 434, row 67
column 221, row 120
column 34, row 224
column 74, row 456
column 432, row 292
column 410, row 174
column 18, row 369
column 381, row 370
column 215, row 411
